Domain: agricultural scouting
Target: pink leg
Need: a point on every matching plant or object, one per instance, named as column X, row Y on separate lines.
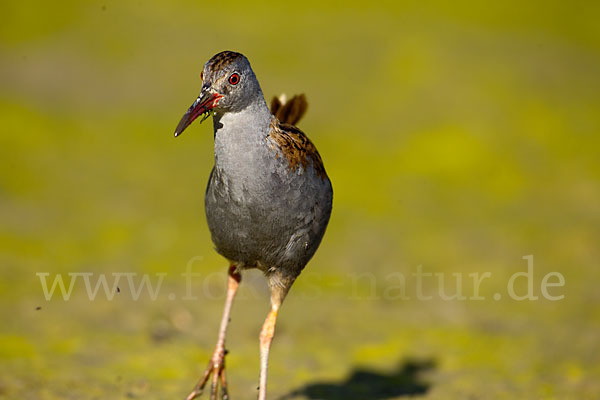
column 266, row 337
column 216, row 365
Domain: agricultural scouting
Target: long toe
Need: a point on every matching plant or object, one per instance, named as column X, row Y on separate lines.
column 224, row 393
column 195, row 393
column 216, row 373
column 214, row 385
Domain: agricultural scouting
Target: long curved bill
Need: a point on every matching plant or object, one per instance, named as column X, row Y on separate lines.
column 202, row 106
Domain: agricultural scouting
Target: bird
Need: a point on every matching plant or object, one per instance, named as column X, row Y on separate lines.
column 268, row 200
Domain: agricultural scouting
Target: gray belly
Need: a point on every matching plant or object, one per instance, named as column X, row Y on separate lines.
column 269, row 221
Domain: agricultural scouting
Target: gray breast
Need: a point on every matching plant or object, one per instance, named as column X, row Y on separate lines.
column 260, row 212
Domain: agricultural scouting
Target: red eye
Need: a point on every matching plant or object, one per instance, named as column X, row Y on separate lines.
column 234, row 79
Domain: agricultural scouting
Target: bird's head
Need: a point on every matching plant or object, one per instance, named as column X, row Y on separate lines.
column 228, row 85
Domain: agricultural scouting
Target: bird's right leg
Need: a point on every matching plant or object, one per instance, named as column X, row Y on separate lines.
column 216, row 365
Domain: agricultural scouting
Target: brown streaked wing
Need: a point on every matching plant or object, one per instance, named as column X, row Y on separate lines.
column 296, row 147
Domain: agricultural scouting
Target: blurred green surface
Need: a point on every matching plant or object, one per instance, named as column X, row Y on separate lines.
column 458, row 136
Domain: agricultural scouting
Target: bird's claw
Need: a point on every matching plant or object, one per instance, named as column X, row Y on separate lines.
column 195, row 393
column 216, row 369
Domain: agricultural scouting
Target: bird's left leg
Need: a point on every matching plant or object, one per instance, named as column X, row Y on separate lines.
column 279, row 285
column 216, row 365
column 266, row 337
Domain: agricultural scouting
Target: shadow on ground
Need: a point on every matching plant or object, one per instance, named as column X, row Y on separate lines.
column 364, row 383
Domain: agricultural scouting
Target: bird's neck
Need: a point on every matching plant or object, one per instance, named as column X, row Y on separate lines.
column 253, row 120
column 240, row 137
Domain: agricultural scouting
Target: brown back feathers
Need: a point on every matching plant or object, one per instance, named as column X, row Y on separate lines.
column 296, row 147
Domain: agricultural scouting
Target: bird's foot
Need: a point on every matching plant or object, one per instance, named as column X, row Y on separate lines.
column 216, row 370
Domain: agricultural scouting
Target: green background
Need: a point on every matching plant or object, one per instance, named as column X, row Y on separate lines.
column 459, row 137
